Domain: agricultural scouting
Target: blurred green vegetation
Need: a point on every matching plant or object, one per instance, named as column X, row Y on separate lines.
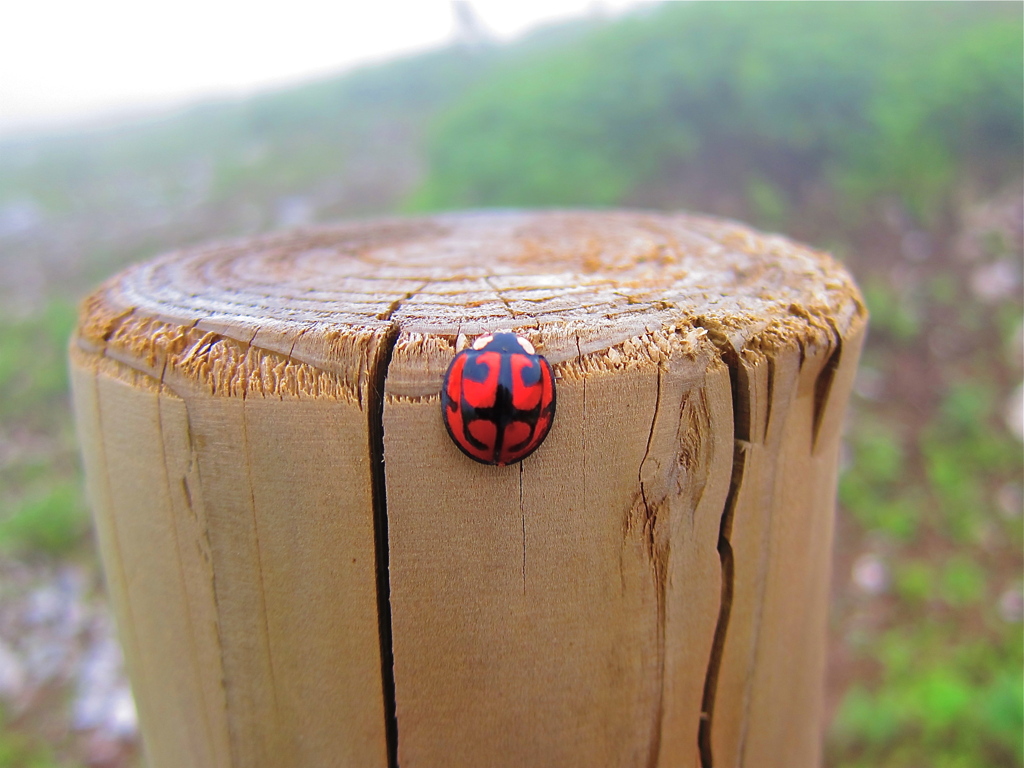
column 18, row 750
column 33, row 369
column 41, row 504
column 957, row 707
column 888, row 132
column 948, row 685
column 769, row 100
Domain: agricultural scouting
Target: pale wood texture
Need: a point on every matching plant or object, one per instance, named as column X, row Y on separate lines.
column 306, row 572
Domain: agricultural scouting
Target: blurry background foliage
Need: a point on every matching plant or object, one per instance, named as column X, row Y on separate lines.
column 892, row 134
column 767, row 102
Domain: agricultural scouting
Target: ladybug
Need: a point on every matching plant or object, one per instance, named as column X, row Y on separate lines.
column 498, row 399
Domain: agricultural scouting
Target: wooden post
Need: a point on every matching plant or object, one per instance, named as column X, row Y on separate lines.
column 306, row 571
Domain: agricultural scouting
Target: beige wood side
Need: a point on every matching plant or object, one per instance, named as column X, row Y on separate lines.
column 766, row 384
column 238, row 546
column 790, row 663
column 780, row 536
column 560, row 612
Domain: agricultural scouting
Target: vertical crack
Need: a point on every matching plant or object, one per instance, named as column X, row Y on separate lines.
column 740, row 386
column 378, row 491
column 501, row 298
column 246, row 446
column 823, row 384
column 659, row 563
column 189, row 623
column 725, row 608
column 378, row 374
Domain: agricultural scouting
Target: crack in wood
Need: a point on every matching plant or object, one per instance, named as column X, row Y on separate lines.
column 725, row 553
column 502, row 299
column 378, row 491
column 191, row 633
column 659, row 567
column 375, row 423
column 259, row 565
column 823, row 384
column 741, row 435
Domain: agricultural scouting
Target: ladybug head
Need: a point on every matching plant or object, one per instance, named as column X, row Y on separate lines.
column 504, row 342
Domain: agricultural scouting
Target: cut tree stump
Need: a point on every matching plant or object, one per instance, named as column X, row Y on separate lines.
column 305, row 570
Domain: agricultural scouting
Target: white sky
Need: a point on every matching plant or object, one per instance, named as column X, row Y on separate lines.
column 66, row 59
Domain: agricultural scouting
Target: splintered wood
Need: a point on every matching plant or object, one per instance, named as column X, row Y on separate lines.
column 306, row 571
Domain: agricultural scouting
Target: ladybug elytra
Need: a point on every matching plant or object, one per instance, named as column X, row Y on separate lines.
column 498, row 399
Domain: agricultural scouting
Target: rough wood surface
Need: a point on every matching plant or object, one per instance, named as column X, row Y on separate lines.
column 306, row 572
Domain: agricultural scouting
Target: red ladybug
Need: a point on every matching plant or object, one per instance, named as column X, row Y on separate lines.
column 498, row 399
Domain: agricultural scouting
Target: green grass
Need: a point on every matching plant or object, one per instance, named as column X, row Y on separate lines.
column 51, row 519
column 949, row 684
column 935, row 703
column 41, row 505
column 20, row 750
column 895, row 315
column 777, row 100
column 33, row 363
